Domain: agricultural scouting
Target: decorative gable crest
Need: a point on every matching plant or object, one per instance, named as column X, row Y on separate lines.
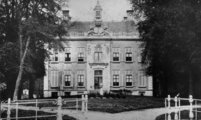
column 98, row 31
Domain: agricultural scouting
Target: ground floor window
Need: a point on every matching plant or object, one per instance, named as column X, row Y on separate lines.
column 54, row 94
column 80, row 80
column 115, row 80
column 67, row 80
column 128, row 80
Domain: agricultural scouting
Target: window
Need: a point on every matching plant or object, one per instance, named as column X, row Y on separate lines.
column 139, row 57
column 55, row 56
column 80, row 78
column 98, row 79
column 80, row 54
column 54, row 78
column 67, row 54
column 116, row 78
column 142, row 79
column 129, row 54
column 67, row 79
column 116, row 54
column 54, row 94
column 129, row 78
column 98, row 54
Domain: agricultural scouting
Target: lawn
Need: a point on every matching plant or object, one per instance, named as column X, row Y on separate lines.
column 124, row 104
column 184, row 115
column 115, row 105
column 30, row 113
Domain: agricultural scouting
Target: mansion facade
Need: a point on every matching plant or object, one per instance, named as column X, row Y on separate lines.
column 98, row 55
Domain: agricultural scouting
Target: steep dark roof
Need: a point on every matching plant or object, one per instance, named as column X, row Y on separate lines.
column 123, row 26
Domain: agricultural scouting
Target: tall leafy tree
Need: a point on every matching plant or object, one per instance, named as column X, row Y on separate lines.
column 171, row 35
column 26, row 26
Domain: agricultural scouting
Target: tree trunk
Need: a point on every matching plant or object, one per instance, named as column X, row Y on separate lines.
column 31, row 86
column 190, row 82
column 19, row 77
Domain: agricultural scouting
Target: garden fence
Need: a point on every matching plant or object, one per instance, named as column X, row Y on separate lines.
column 38, row 105
column 179, row 104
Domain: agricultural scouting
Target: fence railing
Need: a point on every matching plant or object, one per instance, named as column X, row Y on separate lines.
column 192, row 106
column 34, row 105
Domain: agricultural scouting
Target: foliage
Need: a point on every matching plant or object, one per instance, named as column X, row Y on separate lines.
column 171, row 42
column 26, row 26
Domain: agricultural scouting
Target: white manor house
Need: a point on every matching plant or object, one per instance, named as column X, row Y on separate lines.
column 98, row 55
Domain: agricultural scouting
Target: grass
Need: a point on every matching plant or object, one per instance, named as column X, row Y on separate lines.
column 29, row 113
column 127, row 104
column 115, row 105
column 184, row 115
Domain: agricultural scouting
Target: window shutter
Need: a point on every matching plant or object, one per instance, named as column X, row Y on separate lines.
column 133, row 54
column 62, row 79
column 138, row 79
column 52, row 78
column 133, row 78
column 56, row 79
column 124, row 78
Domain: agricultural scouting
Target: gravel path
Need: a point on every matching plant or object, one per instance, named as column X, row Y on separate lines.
column 147, row 114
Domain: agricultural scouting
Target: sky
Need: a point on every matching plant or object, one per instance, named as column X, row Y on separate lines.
column 113, row 10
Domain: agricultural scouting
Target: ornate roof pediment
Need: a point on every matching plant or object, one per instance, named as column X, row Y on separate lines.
column 98, row 31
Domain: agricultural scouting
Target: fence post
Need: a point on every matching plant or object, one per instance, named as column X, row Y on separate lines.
column 176, row 115
column 86, row 102
column 169, row 101
column 179, row 102
column 191, row 107
column 8, row 111
column 77, row 104
column 36, row 108
column 196, row 113
column 169, row 116
column 59, row 103
column 175, row 100
column 82, row 103
column 16, row 110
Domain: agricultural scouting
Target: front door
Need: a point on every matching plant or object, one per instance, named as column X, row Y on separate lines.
column 98, row 79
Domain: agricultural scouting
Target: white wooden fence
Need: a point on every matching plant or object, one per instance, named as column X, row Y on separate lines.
column 176, row 104
column 34, row 106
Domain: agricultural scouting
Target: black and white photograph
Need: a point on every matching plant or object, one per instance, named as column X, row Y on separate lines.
column 100, row 60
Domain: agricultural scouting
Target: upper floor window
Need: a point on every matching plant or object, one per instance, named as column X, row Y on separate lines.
column 116, row 54
column 80, row 78
column 129, row 78
column 129, row 54
column 67, row 54
column 139, row 56
column 67, row 78
column 54, row 76
column 80, row 54
column 56, row 58
column 98, row 54
column 116, row 74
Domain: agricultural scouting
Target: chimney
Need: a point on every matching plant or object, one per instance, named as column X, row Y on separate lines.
column 129, row 14
column 66, row 15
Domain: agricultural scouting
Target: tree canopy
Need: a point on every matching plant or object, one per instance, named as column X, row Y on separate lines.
column 25, row 27
column 172, row 44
